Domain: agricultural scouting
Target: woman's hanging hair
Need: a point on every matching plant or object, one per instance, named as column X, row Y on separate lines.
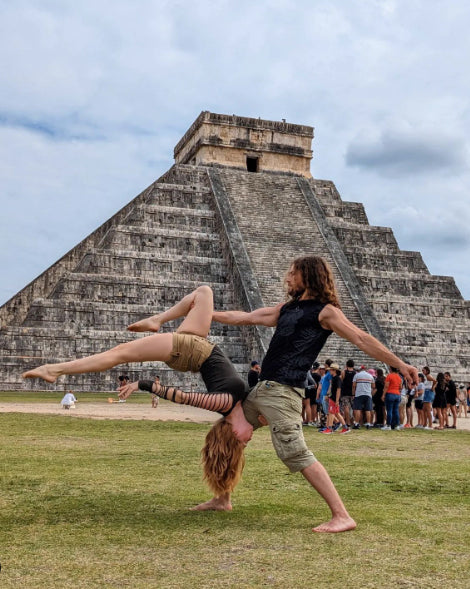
column 223, row 458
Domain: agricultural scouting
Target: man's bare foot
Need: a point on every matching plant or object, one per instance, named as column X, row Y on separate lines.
column 215, row 504
column 150, row 324
column 45, row 372
column 335, row 525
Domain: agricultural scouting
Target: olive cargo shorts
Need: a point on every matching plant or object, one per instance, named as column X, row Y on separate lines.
column 281, row 405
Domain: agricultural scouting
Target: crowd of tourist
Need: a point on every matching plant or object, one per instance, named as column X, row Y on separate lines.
column 341, row 399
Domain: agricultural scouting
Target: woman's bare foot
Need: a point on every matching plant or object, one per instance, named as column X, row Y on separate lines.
column 336, row 524
column 46, row 372
column 215, row 504
column 150, row 324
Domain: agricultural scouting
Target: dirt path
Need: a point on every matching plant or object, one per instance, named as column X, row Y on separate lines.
column 165, row 411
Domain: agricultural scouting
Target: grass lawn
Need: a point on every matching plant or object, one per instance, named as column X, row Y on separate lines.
column 56, row 396
column 89, row 503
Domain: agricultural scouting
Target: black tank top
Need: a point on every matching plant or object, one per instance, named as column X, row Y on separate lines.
column 296, row 343
column 346, row 387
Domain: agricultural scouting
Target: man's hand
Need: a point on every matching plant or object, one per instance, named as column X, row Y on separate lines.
column 410, row 374
column 126, row 390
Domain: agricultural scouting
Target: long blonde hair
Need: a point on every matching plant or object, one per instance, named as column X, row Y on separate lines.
column 223, row 458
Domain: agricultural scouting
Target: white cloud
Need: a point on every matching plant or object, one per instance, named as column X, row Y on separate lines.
column 409, row 152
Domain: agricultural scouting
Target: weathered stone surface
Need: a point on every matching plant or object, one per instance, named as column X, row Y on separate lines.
column 230, row 141
column 219, row 224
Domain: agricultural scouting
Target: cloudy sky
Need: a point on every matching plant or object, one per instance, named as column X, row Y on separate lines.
column 95, row 95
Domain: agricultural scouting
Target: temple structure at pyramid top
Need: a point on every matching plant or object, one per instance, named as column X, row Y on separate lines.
column 253, row 145
column 232, row 212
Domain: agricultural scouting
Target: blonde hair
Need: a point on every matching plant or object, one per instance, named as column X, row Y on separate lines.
column 222, row 458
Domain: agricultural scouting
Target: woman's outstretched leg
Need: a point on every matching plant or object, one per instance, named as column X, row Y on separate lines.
column 147, row 349
column 197, row 308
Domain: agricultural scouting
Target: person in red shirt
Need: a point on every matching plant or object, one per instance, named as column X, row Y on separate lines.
column 391, row 396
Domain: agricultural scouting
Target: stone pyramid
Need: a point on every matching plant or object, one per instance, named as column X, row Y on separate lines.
column 236, row 207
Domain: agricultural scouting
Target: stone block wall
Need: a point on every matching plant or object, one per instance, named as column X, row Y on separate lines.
column 160, row 247
column 424, row 317
column 238, row 232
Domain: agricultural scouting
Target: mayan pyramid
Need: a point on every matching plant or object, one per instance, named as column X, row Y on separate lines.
column 236, row 207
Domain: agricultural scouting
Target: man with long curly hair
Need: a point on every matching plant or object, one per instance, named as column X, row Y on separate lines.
column 303, row 325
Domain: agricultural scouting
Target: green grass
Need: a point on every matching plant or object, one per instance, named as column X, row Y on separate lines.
column 89, row 503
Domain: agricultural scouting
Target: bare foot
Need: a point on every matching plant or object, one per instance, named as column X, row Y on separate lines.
column 150, row 324
column 215, row 504
column 45, row 372
column 336, row 524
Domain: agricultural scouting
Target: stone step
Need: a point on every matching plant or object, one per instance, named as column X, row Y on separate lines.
column 326, row 193
column 175, row 219
column 169, row 186
column 154, row 209
column 417, row 306
column 132, row 290
column 157, row 266
column 342, row 212
column 422, row 324
column 415, row 337
column 162, row 214
column 171, row 241
column 380, row 239
column 171, row 197
column 365, row 260
column 352, row 211
column 346, row 213
column 57, row 313
column 404, row 285
column 187, row 175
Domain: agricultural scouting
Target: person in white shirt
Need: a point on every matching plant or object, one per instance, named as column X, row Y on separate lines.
column 363, row 388
column 69, row 400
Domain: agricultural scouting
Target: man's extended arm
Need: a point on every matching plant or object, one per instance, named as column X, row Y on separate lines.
column 334, row 319
column 267, row 316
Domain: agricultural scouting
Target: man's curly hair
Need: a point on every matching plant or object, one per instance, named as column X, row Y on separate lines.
column 318, row 279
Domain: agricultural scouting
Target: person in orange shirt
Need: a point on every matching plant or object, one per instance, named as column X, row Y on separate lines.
column 391, row 396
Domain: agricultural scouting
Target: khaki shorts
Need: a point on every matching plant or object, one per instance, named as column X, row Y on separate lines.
column 189, row 352
column 281, row 405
